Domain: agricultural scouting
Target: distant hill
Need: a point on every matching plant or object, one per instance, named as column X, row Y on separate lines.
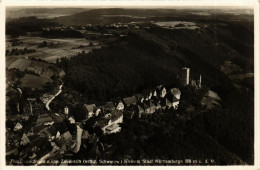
column 124, row 15
column 40, row 12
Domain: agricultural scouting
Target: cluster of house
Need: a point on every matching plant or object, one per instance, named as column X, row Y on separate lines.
column 49, row 134
column 59, row 28
column 149, row 102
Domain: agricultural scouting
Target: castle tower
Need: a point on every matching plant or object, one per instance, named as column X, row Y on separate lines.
column 185, row 76
column 200, row 82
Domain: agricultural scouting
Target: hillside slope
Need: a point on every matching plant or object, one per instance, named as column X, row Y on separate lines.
column 146, row 58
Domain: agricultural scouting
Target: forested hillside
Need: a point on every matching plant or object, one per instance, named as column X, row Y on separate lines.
column 149, row 57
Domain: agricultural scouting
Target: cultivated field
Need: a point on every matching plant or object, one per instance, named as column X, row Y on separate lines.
column 62, row 47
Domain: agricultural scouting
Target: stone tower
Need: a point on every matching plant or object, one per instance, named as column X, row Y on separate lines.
column 185, row 76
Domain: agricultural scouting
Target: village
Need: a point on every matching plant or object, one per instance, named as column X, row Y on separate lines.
column 35, row 138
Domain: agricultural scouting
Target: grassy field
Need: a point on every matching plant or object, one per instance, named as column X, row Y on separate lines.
column 63, row 47
column 34, row 81
column 38, row 67
column 20, row 64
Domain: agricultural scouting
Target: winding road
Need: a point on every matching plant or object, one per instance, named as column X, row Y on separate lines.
column 48, row 103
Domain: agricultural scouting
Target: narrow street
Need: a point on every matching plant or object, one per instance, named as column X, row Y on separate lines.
column 48, row 103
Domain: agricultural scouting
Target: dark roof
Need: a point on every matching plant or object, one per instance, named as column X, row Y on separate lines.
column 38, row 128
column 44, row 119
column 115, row 115
column 171, row 97
column 96, row 108
column 102, row 122
column 55, row 156
column 175, row 99
column 89, row 123
column 58, row 119
column 109, row 105
column 140, row 104
column 33, row 137
column 116, row 101
column 154, row 98
column 52, row 130
column 162, row 101
column 160, row 87
column 146, row 104
column 15, row 137
column 38, row 142
column 146, row 93
column 151, row 103
column 130, row 100
column 134, row 108
column 138, row 96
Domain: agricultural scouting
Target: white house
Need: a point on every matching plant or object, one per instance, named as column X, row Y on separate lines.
column 90, row 108
column 18, row 126
column 119, row 105
column 111, row 124
column 24, row 140
column 176, row 92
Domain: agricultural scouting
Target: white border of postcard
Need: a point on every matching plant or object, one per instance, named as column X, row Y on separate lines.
column 254, row 4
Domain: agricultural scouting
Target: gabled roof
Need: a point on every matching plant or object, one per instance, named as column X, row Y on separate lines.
column 58, row 119
column 90, row 107
column 160, row 87
column 130, row 100
column 109, row 105
column 18, row 124
column 25, row 138
column 43, row 119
